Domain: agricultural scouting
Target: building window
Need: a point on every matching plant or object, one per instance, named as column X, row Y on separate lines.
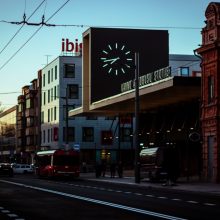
column 106, row 138
column 44, row 98
column 49, row 77
column 44, row 138
column 210, row 89
column 48, row 135
column 51, row 134
column 48, row 115
column 29, row 103
column 51, row 94
column 48, row 95
column 52, row 75
column 30, row 121
column 55, row 74
column 42, row 117
column 87, row 134
column 55, row 113
column 125, row 134
column 43, row 80
column 55, row 92
column 184, row 71
column 69, row 70
column 51, row 114
column 71, row 134
column 20, row 108
column 73, row 91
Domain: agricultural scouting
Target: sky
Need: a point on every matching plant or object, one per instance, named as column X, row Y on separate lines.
column 24, row 53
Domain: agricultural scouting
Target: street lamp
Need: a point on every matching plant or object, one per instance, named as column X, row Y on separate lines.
column 137, row 109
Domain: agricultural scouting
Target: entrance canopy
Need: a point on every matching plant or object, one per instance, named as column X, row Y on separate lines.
column 162, row 93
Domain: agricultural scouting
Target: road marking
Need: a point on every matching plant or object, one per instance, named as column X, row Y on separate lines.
column 12, row 215
column 96, row 201
column 209, row 204
column 193, row 202
column 5, row 211
column 175, row 199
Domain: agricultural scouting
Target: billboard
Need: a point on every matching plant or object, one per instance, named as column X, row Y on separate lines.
column 112, row 57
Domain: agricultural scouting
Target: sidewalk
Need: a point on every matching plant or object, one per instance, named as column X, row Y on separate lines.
column 183, row 184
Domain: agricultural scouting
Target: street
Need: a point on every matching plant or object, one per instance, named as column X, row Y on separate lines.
column 27, row 197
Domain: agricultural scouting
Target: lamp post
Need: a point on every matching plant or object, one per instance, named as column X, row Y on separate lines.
column 66, row 119
column 137, row 109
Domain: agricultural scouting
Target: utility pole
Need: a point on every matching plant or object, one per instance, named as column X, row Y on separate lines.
column 136, row 133
column 67, row 121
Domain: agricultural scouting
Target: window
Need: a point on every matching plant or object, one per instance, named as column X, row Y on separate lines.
column 88, row 134
column 71, row 134
column 44, row 98
column 51, row 114
column 48, row 115
column 55, row 113
column 51, row 94
column 55, row 92
column 30, row 121
column 125, row 134
column 70, row 107
column 42, row 117
column 29, row 103
column 55, row 77
column 52, row 75
column 73, row 91
column 69, row 70
column 49, row 77
column 44, row 136
column 48, row 135
column 48, row 96
column 184, row 71
column 106, row 138
column 43, row 80
column 20, row 108
column 210, row 89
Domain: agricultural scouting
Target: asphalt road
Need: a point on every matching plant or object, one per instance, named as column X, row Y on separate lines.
column 27, row 197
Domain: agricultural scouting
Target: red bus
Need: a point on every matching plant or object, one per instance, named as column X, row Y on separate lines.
column 58, row 163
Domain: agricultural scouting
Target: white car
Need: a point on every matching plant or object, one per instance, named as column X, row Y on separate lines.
column 23, row 168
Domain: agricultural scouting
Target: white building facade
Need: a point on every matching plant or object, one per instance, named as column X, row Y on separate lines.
column 61, row 87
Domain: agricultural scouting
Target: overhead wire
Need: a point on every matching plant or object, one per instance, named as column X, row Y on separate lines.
column 33, row 35
column 21, row 26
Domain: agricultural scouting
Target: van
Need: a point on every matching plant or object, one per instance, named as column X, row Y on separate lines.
column 152, row 161
column 23, row 168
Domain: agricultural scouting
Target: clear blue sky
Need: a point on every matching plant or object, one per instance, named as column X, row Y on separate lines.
column 182, row 18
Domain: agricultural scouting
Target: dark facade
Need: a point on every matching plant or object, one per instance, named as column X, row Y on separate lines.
column 28, row 122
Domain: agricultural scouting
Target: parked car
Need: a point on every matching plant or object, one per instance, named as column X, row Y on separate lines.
column 6, row 169
column 23, row 168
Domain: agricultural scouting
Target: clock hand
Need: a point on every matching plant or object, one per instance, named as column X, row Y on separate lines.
column 111, row 60
column 114, row 60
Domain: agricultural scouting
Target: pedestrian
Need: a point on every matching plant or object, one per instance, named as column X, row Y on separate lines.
column 112, row 170
column 120, row 169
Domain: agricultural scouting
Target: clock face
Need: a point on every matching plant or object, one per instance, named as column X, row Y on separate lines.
column 117, row 59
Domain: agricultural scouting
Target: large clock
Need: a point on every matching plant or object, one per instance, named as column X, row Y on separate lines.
column 116, row 59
